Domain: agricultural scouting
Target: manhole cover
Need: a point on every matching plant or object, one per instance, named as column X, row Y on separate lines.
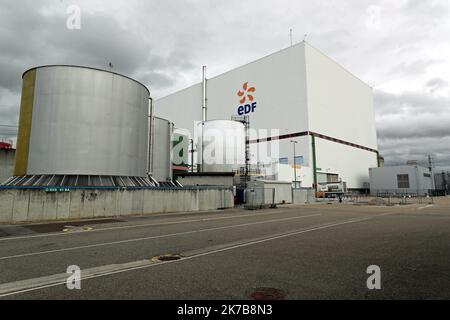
column 167, row 257
column 267, row 294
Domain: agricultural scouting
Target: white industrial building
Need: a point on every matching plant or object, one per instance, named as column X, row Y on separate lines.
column 405, row 179
column 297, row 94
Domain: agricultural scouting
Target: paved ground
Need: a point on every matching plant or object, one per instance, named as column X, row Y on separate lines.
column 305, row 252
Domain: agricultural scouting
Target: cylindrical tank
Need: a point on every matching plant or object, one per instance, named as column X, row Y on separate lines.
column 180, row 153
column 221, row 145
column 82, row 121
column 161, row 149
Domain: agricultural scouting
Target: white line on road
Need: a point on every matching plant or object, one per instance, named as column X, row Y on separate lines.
column 155, row 237
column 57, row 279
column 138, row 226
column 18, row 287
column 428, row 206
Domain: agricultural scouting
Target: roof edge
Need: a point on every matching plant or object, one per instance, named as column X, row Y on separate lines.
column 86, row 67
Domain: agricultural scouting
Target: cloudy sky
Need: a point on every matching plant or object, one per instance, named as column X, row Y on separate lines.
column 401, row 48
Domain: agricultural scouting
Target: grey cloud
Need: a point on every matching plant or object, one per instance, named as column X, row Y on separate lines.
column 416, row 128
column 35, row 38
column 11, row 74
column 31, row 36
column 416, row 67
column 436, row 84
column 398, row 151
column 156, row 80
column 409, row 103
column 9, row 116
column 412, row 125
column 428, row 11
column 164, row 43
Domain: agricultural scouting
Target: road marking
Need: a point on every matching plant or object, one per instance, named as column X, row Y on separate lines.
column 58, row 279
column 138, row 226
column 77, row 229
column 428, row 206
column 155, row 237
column 24, row 286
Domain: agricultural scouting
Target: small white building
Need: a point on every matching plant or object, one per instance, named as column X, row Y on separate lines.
column 265, row 191
column 404, row 179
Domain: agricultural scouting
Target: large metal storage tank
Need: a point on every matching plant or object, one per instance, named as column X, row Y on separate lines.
column 221, row 145
column 161, row 149
column 82, row 124
column 180, row 153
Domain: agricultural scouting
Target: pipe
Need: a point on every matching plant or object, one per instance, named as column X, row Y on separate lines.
column 378, row 159
column 192, row 154
column 170, row 154
column 204, row 109
column 313, row 147
column 204, row 98
column 150, row 138
column 430, row 167
column 295, row 166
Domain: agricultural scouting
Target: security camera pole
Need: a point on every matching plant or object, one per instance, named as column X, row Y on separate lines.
column 295, row 165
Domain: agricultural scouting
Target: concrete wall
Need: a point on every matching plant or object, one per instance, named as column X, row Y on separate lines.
column 350, row 163
column 304, row 175
column 340, row 105
column 38, row 205
column 7, row 157
column 226, row 181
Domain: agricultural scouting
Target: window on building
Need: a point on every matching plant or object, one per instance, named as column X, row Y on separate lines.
column 321, row 177
column 403, row 181
column 298, row 160
column 284, row 160
column 332, row 178
column 296, row 184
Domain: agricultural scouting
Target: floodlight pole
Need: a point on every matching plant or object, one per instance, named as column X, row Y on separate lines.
column 295, row 166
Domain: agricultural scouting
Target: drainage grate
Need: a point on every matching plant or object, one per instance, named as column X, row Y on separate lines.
column 167, row 257
column 267, row 294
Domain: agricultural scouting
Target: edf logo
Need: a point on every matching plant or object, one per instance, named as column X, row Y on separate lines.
column 246, row 94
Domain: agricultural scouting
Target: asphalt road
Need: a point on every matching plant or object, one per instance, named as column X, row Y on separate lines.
column 302, row 252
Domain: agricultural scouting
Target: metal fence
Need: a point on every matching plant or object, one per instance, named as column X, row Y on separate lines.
column 389, row 199
column 401, row 192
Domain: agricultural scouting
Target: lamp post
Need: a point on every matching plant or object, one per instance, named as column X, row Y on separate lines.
column 191, row 141
column 295, row 165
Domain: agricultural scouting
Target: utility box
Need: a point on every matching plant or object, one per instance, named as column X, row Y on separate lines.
column 283, row 190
